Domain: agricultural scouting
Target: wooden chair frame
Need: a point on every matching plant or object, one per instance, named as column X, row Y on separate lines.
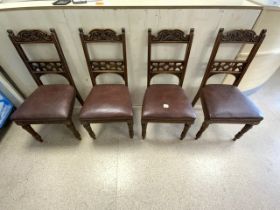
column 97, row 66
column 39, row 68
column 174, row 67
column 235, row 67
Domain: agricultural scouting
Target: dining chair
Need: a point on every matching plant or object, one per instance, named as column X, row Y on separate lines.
column 222, row 103
column 48, row 104
column 167, row 103
column 106, row 102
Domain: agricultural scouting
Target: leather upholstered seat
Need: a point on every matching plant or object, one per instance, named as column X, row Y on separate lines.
column 178, row 105
column 108, row 101
column 47, row 102
column 227, row 102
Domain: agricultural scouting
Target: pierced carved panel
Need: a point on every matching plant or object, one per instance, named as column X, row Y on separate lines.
column 170, row 35
column 166, row 66
column 102, row 35
column 240, row 36
column 107, row 66
column 46, row 67
column 227, row 67
column 31, row 36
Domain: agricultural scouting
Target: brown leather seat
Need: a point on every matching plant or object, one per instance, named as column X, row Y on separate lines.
column 47, row 103
column 227, row 101
column 108, row 101
column 159, row 94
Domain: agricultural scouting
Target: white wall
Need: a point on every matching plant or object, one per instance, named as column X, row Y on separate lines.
column 267, row 61
column 136, row 22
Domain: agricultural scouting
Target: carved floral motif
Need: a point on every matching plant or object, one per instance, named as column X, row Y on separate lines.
column 240, row 36
column 107, row 65
column 166, row 66
column 46, row 67
column 102, row 35
column 220, row 67
column 31, row 36
column 170, row 35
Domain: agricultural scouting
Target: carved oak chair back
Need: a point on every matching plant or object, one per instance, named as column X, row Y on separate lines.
column 37, row 68
column 235, row 67
column 175, row 67
column 97, row 67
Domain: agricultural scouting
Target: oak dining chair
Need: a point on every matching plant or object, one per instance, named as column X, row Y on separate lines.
column 106, row 102
column 48, row 104
column 223, row 103
column 167, row 103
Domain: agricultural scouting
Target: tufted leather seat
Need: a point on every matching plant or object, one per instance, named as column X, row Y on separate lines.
column 108, row 101
column 159, row 94
column 226, row 102
column 47, row 103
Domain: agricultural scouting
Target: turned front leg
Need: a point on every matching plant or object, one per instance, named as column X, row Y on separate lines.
column 204, row 126
column 130, row 129
column 185, row 130
column 89, row 130
column 30, row 130
column 144, row 127
column 243, row 130
column 71, row 126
